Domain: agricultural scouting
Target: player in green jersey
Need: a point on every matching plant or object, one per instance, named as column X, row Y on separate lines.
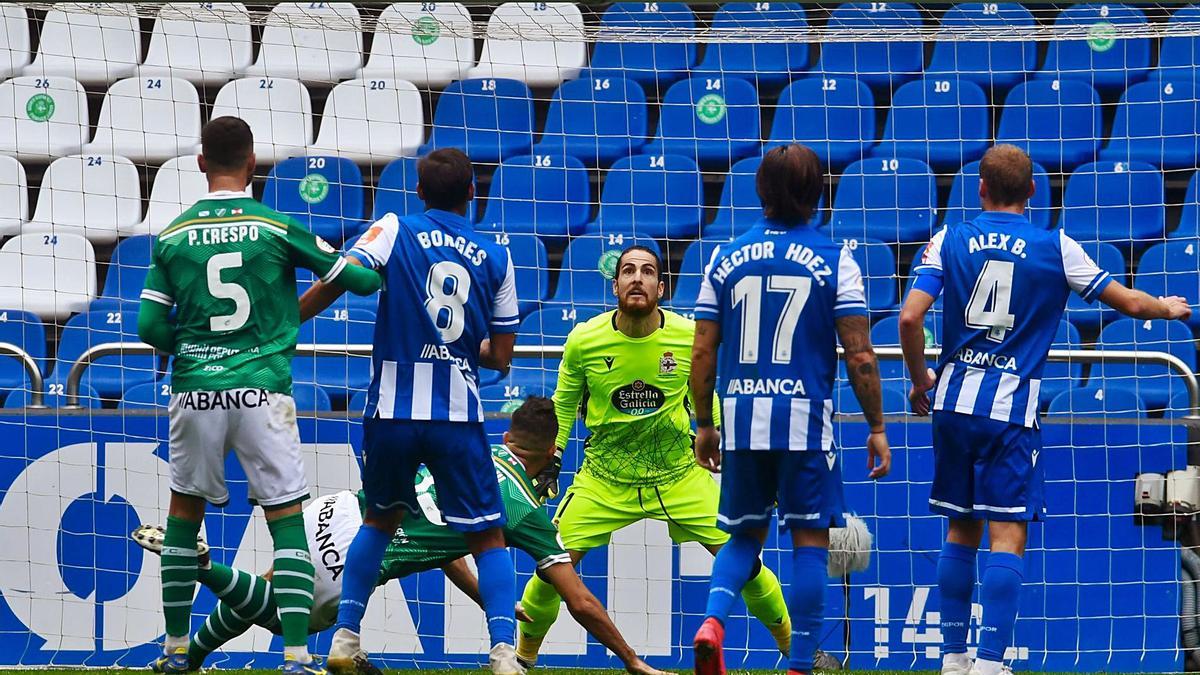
column 632, row 365
column 423, row 542
column 228, row 267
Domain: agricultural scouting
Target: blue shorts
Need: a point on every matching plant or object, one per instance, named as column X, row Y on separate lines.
column 985, row 469
column 458, row 456
column 806, row 486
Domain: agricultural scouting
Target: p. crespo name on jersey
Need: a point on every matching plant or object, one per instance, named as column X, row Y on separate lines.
column 762, row 250
column 752, row 387
column 230, row 399
column 230, row 234
column 973, row 358
column 327, row 549
column 469, row 249
column 996, row 240
column 442, row 353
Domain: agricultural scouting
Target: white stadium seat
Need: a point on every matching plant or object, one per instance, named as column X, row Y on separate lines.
column 96, row 43
column 531, row 42
column 148, row 119
column 14, row 196
column 42, row 117
column 428, row 47
column 88, row 195
column 278, row 111
column 311, row 42
column 201, row 42
column 177, row 185
column 14, row 40
column 51, row 275
column 371, row 121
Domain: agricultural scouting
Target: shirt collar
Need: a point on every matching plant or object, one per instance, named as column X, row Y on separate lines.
column 225, row 194
column 1004, row 217
column 447, row 217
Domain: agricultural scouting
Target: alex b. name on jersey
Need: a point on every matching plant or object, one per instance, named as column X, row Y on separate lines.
column 762, row 250
column 469, row 249
column 231, row 399
column 996, row 241
column 327, row 551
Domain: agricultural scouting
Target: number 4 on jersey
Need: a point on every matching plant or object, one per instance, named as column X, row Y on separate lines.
column 988, row 308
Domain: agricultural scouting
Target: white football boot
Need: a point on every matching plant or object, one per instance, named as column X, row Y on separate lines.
column 503, row 660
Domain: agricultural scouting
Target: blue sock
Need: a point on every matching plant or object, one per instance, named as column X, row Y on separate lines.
column 806, row 604
column 360, row 575
column 731, row 570
column 956, row 584
column 1000, row 597
column 498, row 588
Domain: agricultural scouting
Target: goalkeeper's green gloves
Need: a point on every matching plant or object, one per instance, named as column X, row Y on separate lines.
column 546, row 482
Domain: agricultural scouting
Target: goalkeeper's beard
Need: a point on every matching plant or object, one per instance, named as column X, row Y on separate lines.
column 637, row 307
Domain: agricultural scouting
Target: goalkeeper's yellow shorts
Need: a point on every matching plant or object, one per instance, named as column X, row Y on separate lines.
column 592, row 509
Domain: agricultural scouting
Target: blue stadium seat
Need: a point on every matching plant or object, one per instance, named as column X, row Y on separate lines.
column 1090, row 316
column 880, row 63
column 768, row 65
column 546, row 195
column 1105, row 61
column 505, row 397
column 878, row 265
column 339, row 376
column 126, row 274
column 25, row 330
column 1179, row 56
column 1096, row 401
column 994, row 65
column 324, row 193
column 895, row 400
column 488, row 118
column 941, row 121
column 740, row 207
column 109, row 375
column 654, row 196
column 1056, row 121
column 1189, row 220
column 1058, row 377
column 596, row 120
column 964, row 197
column 1179, row 406
column 396, row 191
column 311, row 398
column 886, row 333
column 531, row 266
column 148, row 396
column 55, row 396
column 547, row 328
column 1172, row 268
column 687, row 283
column 1157, row 122
column 588, row 264
column 652, row 64
column 1115, row 201
column 892, row 200
column 834, row 116
column 713, row 120
column 1154, row 383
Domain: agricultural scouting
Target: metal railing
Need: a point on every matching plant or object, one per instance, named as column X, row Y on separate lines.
column 37, row 384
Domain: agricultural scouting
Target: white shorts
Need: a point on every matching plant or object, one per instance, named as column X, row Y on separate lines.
column 261, row 429
column 331, row 522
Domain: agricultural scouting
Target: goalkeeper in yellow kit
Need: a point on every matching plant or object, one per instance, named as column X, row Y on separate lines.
column 632, row 365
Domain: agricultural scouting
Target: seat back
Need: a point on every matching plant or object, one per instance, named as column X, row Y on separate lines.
column 428, row 44
column 1158, row 119
column 686, row 287
column 201, row 42
column 127, row 268
column 532, row 42
column 488, row 118
column 1172, row 337
column 14, row 40
column 1098, row 401
column 148, row 119
column 278, row 110
column 51, row 275
column 312, row 42
column 1115, row 201
column 148, row 396
column 943, row 114
column 875, row 63
column 596, row 120
column 110, row 375
column 835, row 116
column 372, row 120
column 531, row 268
column 1171, row 268
column 14, row 196
column 90, row 194
column 763, row 64
column 330, row 187
column 25, row 330
column 990, row 64
column 701, row 111
column 1104, row 61
column 177, row 185
column 43, row 117
column 547, row 195
column 94, row 47
column 1051, row 110
column 647, row 62
column 396, row 191
column 889, row 199
column 657, row 196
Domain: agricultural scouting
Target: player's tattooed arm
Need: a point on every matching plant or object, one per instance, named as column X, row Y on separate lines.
column 704, row 370
column 863, row 367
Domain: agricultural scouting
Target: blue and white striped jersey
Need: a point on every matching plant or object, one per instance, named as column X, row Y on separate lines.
column 775, row 291
column 1005, row 284
column 445, row 289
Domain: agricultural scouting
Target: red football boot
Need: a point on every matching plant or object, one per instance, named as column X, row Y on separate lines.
column 710, row 660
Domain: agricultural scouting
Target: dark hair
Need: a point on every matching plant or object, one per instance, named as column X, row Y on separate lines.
column 535, row 420
column 226, row 143
column 789, row 183
column 638, row 247
column 445, row 177
column 1007, row 172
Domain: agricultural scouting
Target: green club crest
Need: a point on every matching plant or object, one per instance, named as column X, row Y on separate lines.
column 710, row 109
column 608, row 263
column 314, row 188
column 510, row 406
column 929, row 341
column 1102, row 35
column 40, row 107
column 426, row 31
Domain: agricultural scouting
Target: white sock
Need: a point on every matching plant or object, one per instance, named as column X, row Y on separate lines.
column 956, row 662
column 297, row 654
column 987, row 667
column 172, row 643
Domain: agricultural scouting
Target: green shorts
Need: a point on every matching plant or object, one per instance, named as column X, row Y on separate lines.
column 593, row 509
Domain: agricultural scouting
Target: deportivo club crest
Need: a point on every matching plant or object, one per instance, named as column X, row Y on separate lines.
column 667, row 364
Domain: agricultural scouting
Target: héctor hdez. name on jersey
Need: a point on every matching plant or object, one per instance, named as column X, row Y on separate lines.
column 472, row 253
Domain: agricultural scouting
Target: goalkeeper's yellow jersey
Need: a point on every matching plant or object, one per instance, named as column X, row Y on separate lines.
column 634, row 394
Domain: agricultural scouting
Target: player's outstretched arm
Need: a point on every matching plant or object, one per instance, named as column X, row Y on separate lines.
column 855, row 333
column 497, row 351
column 154, row 326
column 912, row 343
column 1142, row 305
column 704, row 380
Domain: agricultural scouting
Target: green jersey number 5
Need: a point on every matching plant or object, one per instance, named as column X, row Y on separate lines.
column 227, row 291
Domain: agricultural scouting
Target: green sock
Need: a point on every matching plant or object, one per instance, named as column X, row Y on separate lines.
column 246, row 594
column 292, row 583
column 222, row 626
column 764, row 600
column 541, row 603
column 179, row 571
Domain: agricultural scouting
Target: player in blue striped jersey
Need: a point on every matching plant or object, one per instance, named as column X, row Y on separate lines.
column 448, row 305
column 772, row 306
column 1004, row 285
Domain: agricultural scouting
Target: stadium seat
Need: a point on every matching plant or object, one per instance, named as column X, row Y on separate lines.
column 93, row 47
column 877, row 64
column 1089, row 317
column 713, row 120
column 24, row 330
column 686, row 286
column 1057, row 376
column 42, row 117
column 886, row 333
column 126, row 275
column 545, row 328
column 396, row 191
column 766, row 65
column 892, row 200
column 532, row 42
column 1105, row 60
column 941, row 121
column 739, row 207
column 588, row 265
column 651, row 64
column 201, row 42
column 531, row 266
column 1172, row 268
column 148, row 120
column 371, row 121
column 1179, row 55
column 997, row 65
column 505, row 398
column 1096, row 401
column 595, row 120
column 108, row 375
column 489, row 119
column 318, row 42
column 1056, row 121
column 878, row 265
column 1154, row 383
column 546, row 195
column 409, row 44
column 54, row 396
column 14, row 196
column 964, row 197
column 177, row 185
column 51, row 275
column 1157, row 122
column 1179, row 406
column 845, row 402
column 324, row 193
column 14, row 40
column 148, row 396
column 305, row 278
column 834, row 116
column 311, row 398
column 1189, row 220
column 278, row 111
column 89, row 195
column 339, row 376
column 1115, row 201
column 357, row 404
column 655, row 196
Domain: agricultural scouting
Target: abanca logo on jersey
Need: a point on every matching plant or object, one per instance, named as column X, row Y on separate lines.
column 638, row 398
